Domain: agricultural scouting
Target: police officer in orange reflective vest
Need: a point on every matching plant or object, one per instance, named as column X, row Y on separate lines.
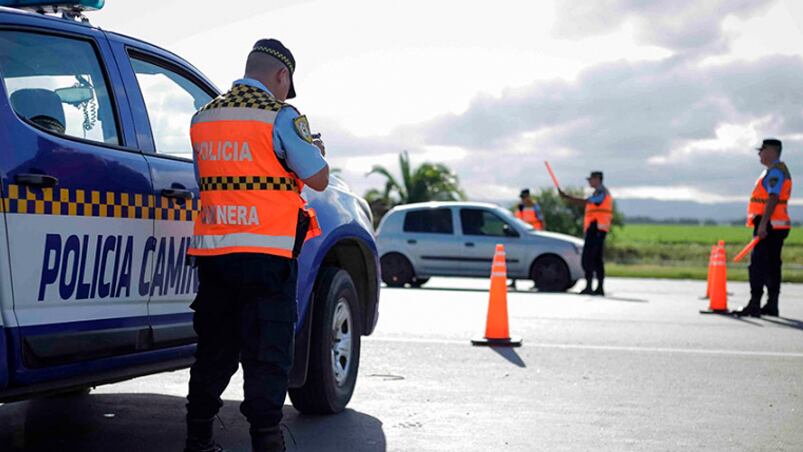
column 529, row 211
column 253, row 155
column 768, row 215
column 596, row 224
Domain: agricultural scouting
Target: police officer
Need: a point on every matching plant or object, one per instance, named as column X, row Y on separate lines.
column 529, row 212
column 768, row 215
column 596, row 224
column 253, row 155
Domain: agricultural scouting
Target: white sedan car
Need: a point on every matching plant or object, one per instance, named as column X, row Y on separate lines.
column 417, row 241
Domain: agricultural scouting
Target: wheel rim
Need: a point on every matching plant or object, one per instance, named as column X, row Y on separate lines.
column 341, row 341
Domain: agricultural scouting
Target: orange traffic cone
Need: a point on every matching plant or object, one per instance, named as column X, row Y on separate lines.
column 710, row 273
column 496, row 326
column 718, row 301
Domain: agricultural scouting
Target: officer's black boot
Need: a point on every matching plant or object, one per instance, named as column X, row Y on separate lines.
column 200, row 436
column 753, row 308
column 771, row 308
column 587, row 290
column 267, row 439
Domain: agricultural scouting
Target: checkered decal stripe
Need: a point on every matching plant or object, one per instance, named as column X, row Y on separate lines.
column 93, row 203
column 248, row 183
column 244, row 96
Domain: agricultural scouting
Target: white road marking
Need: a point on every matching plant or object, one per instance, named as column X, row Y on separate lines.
column 620, row 348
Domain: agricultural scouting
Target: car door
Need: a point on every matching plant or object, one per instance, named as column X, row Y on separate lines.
column 76, row 199
column 482, row 229
column 430, row 240
column 168, row 95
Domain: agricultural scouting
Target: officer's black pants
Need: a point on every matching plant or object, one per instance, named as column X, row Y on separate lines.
column 593, row 251
column 245, row 311
column 765, row 265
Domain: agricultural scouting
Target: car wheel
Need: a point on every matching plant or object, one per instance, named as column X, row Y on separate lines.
column 418, row 282
column 335, row 347
column 550, row 274
column 396, row 270
column 570, row 285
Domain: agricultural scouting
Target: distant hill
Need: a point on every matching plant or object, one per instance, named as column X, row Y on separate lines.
column 670, row 210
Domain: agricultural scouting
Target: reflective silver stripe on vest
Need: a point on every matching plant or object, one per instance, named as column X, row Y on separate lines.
column 211, row 242
column 777, row 223
column 234, row 114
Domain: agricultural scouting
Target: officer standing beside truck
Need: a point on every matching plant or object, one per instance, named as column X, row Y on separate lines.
column 768, row 215
column 596, row 224
column 253, row 155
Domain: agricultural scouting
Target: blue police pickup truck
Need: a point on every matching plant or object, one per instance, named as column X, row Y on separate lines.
column 98, row 200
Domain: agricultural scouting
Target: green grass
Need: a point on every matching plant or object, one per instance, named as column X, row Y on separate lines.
column 681, row 251
column 707, row 235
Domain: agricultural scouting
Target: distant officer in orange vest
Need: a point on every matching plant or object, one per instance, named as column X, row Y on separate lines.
column 596, row 224
column 768, row 215
column 529, row 211
column 253, row 155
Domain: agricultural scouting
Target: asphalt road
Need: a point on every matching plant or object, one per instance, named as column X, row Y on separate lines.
column 638, row 370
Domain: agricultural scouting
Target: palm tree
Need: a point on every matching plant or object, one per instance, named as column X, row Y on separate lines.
column 428, row 182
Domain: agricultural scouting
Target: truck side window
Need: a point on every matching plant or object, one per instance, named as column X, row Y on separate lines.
column 57, row 84
column 171, row 99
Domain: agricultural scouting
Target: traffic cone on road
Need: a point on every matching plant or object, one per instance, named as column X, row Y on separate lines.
column 710, row 273
column 496, row 325
column 718, row 297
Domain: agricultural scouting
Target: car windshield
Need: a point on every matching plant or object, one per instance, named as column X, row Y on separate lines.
column 508, row 216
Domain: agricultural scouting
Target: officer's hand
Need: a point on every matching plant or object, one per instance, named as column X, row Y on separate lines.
column 762, row 231
column 561, row 193
column 318, row 142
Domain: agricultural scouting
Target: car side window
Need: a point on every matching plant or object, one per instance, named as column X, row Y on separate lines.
column 485, row 223
column 57, row 84
column 171, row 99
column 431, row 221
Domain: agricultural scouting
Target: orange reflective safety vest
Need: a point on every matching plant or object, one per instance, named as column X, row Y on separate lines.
column 529, row 215
column 602, row 214
column 250, row 201
column 758, row 200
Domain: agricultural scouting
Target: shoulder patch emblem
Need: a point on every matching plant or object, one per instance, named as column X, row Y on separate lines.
column 302, row 128
column 773, row 181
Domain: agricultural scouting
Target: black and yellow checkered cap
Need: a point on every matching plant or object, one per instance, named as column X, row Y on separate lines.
column 276, row 49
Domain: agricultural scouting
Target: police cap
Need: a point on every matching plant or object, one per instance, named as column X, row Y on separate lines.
column 525, row 192
column 596, row 174
column 276, row 49
column 772, row 142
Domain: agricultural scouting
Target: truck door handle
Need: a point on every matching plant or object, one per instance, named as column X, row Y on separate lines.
column 36, row 180
column 470, row 244
column 412, row 242
column 177, row 193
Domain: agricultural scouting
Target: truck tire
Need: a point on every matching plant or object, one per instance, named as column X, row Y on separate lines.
column 550, row 274
column 334, row 356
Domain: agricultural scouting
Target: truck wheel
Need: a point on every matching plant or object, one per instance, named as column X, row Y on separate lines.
column 396, row 270
column 550, row 274
column 334, row 355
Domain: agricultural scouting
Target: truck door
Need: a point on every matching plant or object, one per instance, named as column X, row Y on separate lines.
column 168, row 96
column 76, row 197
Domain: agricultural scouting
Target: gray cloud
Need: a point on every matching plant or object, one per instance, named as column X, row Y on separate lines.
column 685, row 25
column 617, row 116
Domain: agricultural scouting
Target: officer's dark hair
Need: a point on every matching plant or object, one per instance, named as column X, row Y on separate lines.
column 262, row 63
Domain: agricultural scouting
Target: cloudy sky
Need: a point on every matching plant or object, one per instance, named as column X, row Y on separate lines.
column 668, row 98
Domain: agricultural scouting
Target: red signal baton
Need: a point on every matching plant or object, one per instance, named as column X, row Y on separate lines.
column 552, row 174
column 746, row 249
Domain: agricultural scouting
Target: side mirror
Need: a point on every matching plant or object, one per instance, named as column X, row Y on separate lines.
column 509, row 232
